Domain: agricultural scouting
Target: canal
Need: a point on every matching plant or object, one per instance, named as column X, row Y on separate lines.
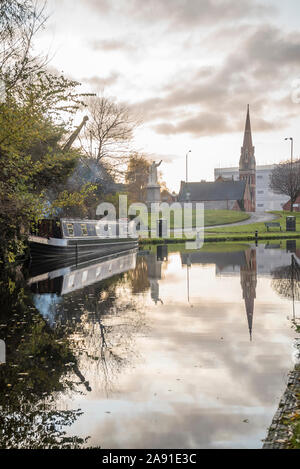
column 161, row 348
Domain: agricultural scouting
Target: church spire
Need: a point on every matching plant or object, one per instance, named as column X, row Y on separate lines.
column 248, row 134
column 247, row 165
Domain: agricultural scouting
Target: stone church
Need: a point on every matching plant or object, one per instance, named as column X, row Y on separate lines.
column 227, row 193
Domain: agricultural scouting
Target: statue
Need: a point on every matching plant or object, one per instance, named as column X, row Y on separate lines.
column 153, row 173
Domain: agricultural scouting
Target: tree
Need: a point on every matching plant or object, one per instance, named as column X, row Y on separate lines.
column 33, row 161
column 136, row 177
column 36, row 114
column 285, row 179
column 19, row 22
column 108, row 133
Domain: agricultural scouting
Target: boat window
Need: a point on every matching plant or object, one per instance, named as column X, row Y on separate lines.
column 70, row 228
column 84, row 229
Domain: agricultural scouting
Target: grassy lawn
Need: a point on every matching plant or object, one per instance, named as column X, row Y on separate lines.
column 260, row 227
column 242, row 233
column 222, row 217
column 211, row 218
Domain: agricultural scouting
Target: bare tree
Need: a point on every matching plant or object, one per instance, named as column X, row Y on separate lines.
column 19, row 22
column 285, row 179
column 108, row 133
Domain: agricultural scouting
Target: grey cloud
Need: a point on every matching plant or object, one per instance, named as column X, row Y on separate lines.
column 184, row 13
column 211, row 100
column 189, row 13
column 111, row 45
column 101, row 82
column 270, row 46
column 201, row 124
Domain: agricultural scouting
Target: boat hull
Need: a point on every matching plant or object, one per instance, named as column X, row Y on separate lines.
column 77, row 250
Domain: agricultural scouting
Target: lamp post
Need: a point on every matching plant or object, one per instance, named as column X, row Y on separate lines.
column 186, row 165
column 292, row 147
column 292, row 151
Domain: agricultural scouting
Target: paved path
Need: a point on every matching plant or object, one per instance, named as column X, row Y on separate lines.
column 255, row 217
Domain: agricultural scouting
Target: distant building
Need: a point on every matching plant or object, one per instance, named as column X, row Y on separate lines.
column 217, row 195
column 296, row 205
column 266, row 199
column 167, row 196
column 258, row 177
column 231, row 190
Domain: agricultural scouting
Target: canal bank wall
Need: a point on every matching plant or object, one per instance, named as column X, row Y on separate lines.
column 281, row 434
column 220, row 239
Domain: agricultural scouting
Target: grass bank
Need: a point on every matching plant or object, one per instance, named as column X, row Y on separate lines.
column 211, row 218
column 241, row 232
column 260, row 227
column 223, row 238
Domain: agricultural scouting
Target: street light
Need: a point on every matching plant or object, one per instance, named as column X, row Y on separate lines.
column 186, row 165
column 292, row 150
column 292, row 147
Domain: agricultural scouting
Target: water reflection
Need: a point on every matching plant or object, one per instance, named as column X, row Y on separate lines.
column 39, row 367
column 153, row 346
column 88, row 300
column 240, row 261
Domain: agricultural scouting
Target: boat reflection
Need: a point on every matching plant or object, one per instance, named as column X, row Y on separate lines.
column 75, row 277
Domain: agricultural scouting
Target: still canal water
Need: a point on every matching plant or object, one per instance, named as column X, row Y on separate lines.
column 156, row 349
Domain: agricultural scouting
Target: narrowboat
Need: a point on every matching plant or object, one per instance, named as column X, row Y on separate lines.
column 76, row 240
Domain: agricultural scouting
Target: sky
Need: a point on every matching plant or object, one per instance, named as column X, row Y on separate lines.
column 187, row 69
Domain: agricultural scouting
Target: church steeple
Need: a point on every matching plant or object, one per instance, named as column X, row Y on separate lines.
column 247, row 166
column 247, row 159
column 248, row 134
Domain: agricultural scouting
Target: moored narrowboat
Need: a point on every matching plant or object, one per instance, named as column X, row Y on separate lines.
column 76, row 240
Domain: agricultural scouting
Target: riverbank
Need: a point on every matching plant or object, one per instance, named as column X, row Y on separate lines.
column 284, row 432
column 240, row 232
column 223, row 238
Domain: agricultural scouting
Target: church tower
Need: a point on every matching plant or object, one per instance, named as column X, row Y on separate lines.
column 247, row 166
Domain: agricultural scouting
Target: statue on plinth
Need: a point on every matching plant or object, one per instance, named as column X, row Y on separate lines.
column 152, row 181
column 153, row 187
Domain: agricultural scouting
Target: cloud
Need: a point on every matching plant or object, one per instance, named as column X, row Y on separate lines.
column 181, row 14
column 211, row 100
column 101, row 82
column 111, row 45
column 270, row 46
column 201, row 124
column 195, row 13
